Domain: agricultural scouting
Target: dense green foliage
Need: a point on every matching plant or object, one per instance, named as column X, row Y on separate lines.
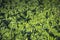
column 29, row 19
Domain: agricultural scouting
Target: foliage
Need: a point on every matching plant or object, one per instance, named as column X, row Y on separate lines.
column 29, row 19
